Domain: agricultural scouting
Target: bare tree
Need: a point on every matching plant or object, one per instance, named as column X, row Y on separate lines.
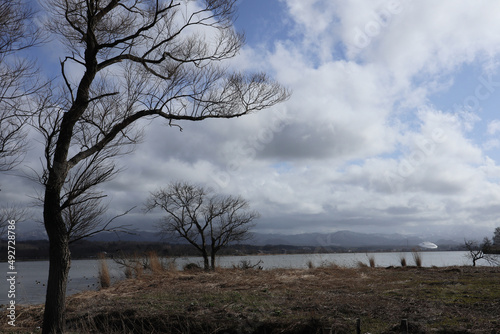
column 18, row 79
column 132, row 60
column 206, row 220
column 480, row 251
column 12, row 212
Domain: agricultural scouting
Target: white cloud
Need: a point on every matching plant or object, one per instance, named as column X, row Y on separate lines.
column 493, row 127
column 360, row 144
column 416, row 166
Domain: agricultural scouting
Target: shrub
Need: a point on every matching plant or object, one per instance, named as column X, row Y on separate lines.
column 244, row 264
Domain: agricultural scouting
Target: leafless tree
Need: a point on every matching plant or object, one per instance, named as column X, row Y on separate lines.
column 481, row 251
column 206, row 220
column 18, row 82
column 131, row 60
column 12, row 212
column 18, row 79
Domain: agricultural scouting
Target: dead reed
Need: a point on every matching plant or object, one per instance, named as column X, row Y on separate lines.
column 417, row 257
column 104, row 278
column 402, row 260
column 154, row 263
column 371, row 260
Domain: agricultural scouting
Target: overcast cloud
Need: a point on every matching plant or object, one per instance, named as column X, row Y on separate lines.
column 392, row 126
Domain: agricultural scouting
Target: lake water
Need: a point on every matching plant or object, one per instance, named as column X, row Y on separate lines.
column 31, row 276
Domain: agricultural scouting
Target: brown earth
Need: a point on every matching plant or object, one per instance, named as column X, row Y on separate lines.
column 317, row 300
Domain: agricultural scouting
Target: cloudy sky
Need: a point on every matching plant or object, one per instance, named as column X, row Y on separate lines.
column 393, row 124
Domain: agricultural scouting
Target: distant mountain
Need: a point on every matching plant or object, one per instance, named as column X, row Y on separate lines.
column 344, row 239
column 37, row 234
column 137, row 236
column 339, row 239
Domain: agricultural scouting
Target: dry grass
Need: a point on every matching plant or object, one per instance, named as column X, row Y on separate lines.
column 417, row 257
column 137, row 267
column 154, row 263
column 104, row 278
column 402, row 260
column 361, row 264
column 150, row 263
column 129, row 273
column 442, row 300
column 371, row 260
column 329, row 264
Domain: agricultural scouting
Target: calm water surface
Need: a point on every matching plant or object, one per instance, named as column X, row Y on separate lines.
column 31, row 277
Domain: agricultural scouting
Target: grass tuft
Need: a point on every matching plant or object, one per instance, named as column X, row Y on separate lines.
column 104, row 278
column 154, row 262
column 417, row 257
column 371, row 260
column 402, row 260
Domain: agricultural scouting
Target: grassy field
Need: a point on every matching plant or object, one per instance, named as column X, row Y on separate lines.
column 315, row 300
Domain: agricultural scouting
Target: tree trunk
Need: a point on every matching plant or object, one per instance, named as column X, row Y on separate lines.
column 206, row 264
column 59, row 264
column 55, row 302
column 212, row 258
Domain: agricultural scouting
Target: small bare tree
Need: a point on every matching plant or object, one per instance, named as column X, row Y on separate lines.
column 18, row 82
column 12, row 212
column 480, row 251
column 206, row 220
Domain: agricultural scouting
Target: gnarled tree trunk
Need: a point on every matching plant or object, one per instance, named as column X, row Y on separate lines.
column 60, row 262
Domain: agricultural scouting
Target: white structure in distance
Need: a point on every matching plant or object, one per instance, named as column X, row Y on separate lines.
column 427, row 245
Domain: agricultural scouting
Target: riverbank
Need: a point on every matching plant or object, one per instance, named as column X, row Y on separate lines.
column 442, row 300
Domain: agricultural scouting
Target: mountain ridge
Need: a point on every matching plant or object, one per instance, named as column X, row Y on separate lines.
column 342, row 239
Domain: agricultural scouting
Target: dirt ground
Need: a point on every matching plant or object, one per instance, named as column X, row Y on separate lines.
column 316, row 300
